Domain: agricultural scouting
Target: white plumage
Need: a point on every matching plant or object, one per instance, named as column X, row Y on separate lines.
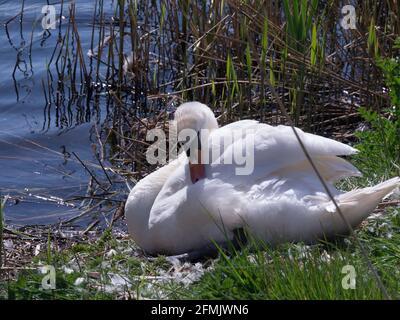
column 282, row 200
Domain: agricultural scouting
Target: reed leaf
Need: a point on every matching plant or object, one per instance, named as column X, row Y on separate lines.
column 314, row 48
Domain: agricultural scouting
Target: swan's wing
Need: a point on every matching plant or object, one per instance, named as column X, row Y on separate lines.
column 280, row 144
column 331, row 168
column 276, row 151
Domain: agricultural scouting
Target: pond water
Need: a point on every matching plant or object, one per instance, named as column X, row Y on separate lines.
column 37, row 169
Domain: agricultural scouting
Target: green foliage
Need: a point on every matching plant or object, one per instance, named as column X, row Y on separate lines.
column 301, row 27
column 299, row 14
column 231, row 77
column 264, row 41
column 380, row 146
column 391, row 70
column 313, row 58
column 373, row 45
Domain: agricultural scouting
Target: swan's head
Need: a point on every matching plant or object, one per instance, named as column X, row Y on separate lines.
column 200, row 120
column 195, row 116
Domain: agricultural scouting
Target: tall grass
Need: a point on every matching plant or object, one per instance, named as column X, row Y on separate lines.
column 149, row 57
column 299, row 23
column 296, row 272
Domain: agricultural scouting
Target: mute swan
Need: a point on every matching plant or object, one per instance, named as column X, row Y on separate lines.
column 182, row 206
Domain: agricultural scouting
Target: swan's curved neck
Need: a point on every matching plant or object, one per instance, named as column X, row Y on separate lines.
column 200, row 120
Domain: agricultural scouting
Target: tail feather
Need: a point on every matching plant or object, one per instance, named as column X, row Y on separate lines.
column 357, row 205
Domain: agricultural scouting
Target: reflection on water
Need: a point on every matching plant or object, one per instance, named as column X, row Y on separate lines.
column 42, row 124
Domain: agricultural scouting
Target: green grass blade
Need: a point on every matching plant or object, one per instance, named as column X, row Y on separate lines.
column 264, row 41
column 314, row 45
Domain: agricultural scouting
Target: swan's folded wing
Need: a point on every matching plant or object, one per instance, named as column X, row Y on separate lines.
column 331, row 168
column 281, row 139
column 275, row 151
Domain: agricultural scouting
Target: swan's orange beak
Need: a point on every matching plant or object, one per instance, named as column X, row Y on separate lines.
column 197, row 171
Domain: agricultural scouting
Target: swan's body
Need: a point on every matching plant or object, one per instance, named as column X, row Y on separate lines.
column 281, row 201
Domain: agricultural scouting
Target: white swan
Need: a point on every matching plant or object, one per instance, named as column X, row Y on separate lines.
column 282, row 200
